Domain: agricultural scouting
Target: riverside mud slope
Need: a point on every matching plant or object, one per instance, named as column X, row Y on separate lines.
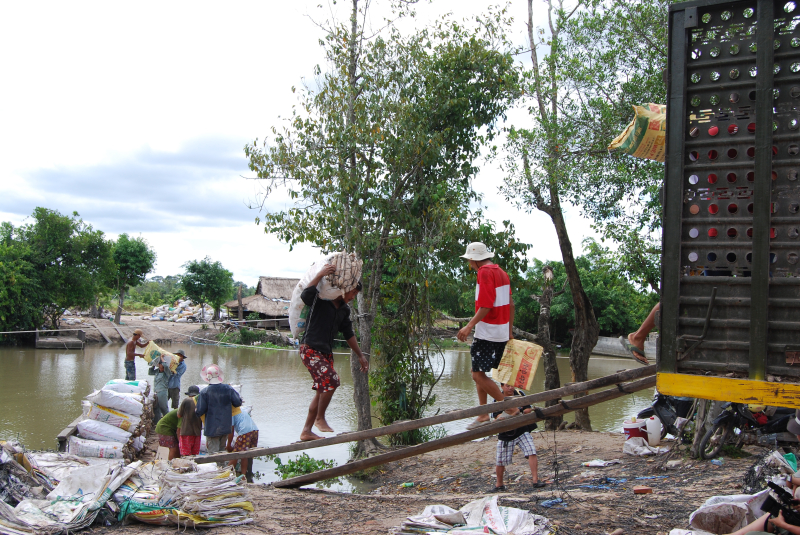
column 463, row 473
column 153, row 330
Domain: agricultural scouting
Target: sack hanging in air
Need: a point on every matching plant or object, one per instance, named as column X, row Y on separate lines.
column 519, row 364
column 646, row 135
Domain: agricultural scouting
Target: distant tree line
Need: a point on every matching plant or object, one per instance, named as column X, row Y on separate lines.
column 56, row 261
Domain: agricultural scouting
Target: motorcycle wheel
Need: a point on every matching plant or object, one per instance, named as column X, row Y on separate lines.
column 712, row 442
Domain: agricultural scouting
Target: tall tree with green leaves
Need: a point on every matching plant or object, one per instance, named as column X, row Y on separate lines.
column 207, row 281
column 21, row 299
column 70, row 260
column 582, row 81
column 378, row 160
column 134, row 259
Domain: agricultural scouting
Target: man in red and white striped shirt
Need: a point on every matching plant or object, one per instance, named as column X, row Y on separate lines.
column 493, row 321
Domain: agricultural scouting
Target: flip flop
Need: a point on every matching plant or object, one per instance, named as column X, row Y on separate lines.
column 501, row 488
column 539, row 485
column 637, row 353
column 476, row 424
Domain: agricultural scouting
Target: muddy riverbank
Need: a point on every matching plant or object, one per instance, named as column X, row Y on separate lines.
column 463, row 473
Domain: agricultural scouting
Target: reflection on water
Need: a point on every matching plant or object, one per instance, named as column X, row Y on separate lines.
column 42, row 392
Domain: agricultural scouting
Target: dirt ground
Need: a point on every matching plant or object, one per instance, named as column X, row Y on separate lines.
column 463, row 473
column 163, row 332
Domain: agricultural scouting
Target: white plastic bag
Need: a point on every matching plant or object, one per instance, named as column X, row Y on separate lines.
column 94, row 430
column 126, row 388
column 93, row 448
column 117, row 401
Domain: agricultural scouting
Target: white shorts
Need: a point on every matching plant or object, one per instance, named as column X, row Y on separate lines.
column 506, row 449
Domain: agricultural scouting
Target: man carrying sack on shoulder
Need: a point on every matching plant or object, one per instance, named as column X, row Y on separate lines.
column 493, row 321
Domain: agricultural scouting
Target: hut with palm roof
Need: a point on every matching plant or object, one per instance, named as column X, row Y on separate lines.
column 270, row 302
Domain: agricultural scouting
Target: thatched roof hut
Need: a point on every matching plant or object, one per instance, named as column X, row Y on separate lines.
column 272, row 298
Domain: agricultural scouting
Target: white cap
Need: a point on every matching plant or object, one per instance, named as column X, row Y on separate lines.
column 477, row 251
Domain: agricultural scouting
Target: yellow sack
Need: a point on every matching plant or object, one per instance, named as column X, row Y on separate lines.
column 152, row 352
column 646, row 135
column 519, row 364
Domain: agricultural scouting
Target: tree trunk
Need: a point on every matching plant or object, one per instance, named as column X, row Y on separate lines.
column 706, row 412
column 118, row 315
column 586, row 328
column 551, row 377
column 239, row 297
column 361, row 396
column 93, row 310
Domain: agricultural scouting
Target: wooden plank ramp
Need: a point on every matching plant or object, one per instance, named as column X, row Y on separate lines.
column 119, row 332
column 106, row 338
column 644, row 378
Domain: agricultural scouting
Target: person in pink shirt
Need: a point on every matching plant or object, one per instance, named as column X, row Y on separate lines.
column 493, row 321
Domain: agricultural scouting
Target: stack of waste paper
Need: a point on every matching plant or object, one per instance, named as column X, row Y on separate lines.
column 29, row 505
column 479, row 516
column 55, row 493
column 117, row 421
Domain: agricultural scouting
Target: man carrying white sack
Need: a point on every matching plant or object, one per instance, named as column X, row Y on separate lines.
column 324, row 321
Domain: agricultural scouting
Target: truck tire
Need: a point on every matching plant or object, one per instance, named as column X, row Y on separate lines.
column 712, row 442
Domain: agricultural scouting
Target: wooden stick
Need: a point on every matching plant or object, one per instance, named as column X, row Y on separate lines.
column 106, row 338
column 409, row 425
column 460, row 438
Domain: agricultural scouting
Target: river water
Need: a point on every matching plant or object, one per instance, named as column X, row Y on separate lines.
column 41, row 392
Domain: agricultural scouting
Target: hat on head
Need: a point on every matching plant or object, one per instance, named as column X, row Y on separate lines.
column 138, row 331
column 194, row 390
column 181, row 353
column 477, row 251
column 793, row 425
column 212, row 374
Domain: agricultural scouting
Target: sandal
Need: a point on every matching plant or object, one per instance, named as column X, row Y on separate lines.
column 501, row 488
column 539, row 485
column 476, row 424
column 505, row 416
column 637, row 353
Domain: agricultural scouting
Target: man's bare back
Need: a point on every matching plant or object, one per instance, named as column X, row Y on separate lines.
column 130, row 348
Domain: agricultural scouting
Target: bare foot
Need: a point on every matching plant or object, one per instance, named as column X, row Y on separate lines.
column 305, row 436
column 323, row 426
column 482, row 418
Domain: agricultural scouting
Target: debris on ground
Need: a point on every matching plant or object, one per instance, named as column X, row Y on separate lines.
column 477, row 516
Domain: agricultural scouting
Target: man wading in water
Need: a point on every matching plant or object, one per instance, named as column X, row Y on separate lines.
column 493, row 321
column 131, row 354
column 325, row 320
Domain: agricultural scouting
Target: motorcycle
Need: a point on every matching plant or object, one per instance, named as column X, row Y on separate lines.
column 672, row 411
column 736, row 423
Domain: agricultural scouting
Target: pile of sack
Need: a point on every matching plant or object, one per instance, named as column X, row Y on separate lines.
column 72, row 504
column 183, row 312
column 185, row 494
column 116, row 421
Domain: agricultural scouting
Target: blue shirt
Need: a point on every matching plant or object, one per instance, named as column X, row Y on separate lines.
column 175, row 380
column 215, row 403
column 242, row 423
column 162, row 379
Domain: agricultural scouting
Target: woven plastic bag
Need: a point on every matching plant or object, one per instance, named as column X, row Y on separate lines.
column 519, row 364
column 94, row 430
column 152, row 352
column 126, row 422
column 115, row 400
column 94, row 448
column 646, row 135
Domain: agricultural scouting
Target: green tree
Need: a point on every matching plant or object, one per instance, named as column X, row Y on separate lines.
column 70, row 260
column 207, row 282
column 378, row 160
column 21, row 300
column 134, row 259
column 582, row 81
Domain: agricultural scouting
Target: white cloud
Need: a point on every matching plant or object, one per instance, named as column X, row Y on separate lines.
column 135, row 115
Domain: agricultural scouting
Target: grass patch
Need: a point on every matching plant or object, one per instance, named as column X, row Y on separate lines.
column 733, row 452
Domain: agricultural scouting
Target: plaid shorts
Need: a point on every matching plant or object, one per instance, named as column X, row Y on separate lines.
column 246, row 441
column 168, row 441
column 320, row 366
column 506, row 449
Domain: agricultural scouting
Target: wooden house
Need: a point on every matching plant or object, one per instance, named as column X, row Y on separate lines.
column 270, row 302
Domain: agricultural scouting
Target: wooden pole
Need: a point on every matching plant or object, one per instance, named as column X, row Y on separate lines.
column 399, row 427
column 239, row 297
column 106, row 338
column 460, row 438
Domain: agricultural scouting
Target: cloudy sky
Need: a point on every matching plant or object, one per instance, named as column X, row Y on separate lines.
column 135, row 115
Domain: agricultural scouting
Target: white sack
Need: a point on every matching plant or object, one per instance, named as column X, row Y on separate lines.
column 639, row 446
column 94, row 430
column 93, row 448
column 117, row 401
column 126, row 422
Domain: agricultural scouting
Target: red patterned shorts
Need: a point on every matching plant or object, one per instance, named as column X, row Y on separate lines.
column 189, row 444
column 320, row 366
column 168, row 441
column 246, row 441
